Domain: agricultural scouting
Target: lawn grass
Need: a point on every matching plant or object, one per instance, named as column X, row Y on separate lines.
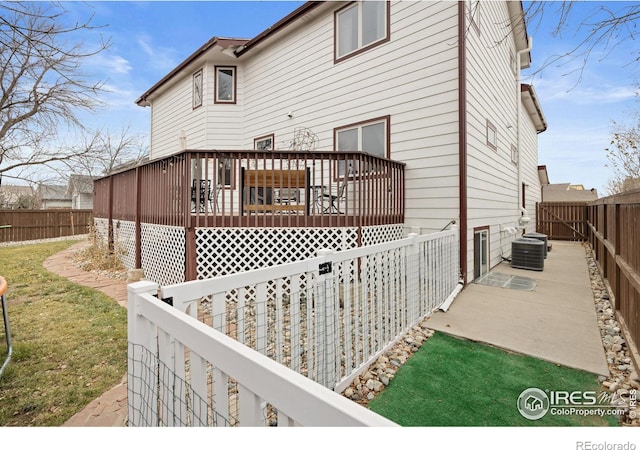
column 455, row 382
column 69, row 341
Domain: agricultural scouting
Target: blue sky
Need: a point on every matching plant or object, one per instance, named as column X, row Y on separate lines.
column 151, row 38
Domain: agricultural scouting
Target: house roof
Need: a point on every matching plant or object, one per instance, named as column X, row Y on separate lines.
column 52, row 192
column 82, row 184
column 543, row 175
column 532, row 105
column 516, row 12
column 220, row 42
column 236, row 47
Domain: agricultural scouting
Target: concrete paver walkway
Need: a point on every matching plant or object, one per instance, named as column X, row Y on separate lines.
column 555, row 322
column 110, row 409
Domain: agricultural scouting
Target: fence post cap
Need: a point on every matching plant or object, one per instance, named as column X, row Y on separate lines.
column 141, row 287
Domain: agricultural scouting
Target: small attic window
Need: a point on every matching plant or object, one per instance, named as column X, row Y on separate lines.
column 197, row 89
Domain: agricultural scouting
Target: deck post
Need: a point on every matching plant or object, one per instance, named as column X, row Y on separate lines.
column 138, row 233
column 191, row 269
column 110, row 217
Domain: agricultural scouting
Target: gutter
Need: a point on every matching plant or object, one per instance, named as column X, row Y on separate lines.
column 447, row 303
column 523, row 212
column 223, row 42
column 282, row 23
column 462, row 139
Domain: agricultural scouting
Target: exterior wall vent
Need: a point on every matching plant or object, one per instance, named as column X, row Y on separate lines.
column 527, row 253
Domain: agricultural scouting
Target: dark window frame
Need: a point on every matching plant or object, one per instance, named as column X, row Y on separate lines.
column 263, row 138
column 357, row 125
column 492, row 127
column 216, row 100
column 473, row 11
column 197, row 79
column 386, row 38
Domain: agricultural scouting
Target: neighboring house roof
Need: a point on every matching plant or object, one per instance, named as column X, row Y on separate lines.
column 566, row 192
column 52, row 192
column 80, row 184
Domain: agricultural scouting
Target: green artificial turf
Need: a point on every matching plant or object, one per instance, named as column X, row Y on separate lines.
column 455, row 382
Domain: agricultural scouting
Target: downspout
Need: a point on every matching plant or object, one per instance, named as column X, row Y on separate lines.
column 462, row 139
column 524, row 218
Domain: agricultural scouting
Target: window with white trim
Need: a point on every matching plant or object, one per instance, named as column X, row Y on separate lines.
column 359, row 26
column 225, row 85
column 370, row 137
column 514, row 154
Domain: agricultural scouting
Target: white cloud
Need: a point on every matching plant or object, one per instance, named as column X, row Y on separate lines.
column 115, row 64
column 583, row 94
column 160, row 58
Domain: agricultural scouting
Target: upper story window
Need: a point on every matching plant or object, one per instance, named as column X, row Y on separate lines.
column 360, row 26
column 473, row 7
column 492, row 135
column 514, row 154
column 197, row 89
column 370, row 137
column 225, row 85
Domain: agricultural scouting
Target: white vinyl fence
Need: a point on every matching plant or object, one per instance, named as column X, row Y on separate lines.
column 325, row 318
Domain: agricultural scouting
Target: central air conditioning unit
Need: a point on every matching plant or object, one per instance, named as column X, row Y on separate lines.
column 527, row 253
column 539, row 236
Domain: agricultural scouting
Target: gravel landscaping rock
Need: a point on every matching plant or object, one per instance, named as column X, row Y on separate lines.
column 623, row 379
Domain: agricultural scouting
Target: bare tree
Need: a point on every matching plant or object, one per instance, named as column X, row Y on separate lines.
column 42, row 89
column 108, row 151
column 624, row 157
column 606, row 26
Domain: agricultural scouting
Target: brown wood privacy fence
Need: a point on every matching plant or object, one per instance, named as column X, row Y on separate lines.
column 611, row 225
column 565, row 221
column 614, row 235
column 28, row 225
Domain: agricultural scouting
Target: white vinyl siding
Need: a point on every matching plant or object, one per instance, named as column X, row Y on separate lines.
column 291, row 80
column 174, row 121
column 492, row 97
column 420, row 96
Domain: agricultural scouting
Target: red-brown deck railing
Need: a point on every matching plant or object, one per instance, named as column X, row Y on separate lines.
column 253, row 189
column 212, row 189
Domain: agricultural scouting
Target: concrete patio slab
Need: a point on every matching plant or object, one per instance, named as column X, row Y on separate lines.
column 556, row 321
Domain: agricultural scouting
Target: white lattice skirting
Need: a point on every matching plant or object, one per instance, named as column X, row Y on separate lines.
column 163, row 253
column 223, row 251
column 102, row 229
column 124, row 235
